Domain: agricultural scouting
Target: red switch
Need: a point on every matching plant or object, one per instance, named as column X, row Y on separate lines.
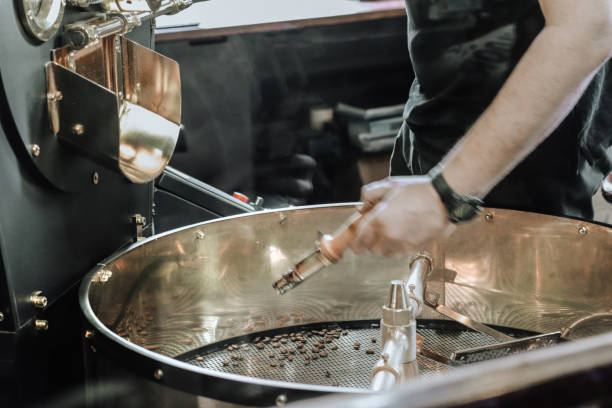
column 241, row 197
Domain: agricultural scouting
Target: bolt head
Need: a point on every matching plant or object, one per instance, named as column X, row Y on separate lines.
column 281, row 400
column 78, row 129
column 35, row 150
column 41, row 325
column 1, row 317
column 488, row 217
column 583, row 230
column 95, row 177
column 200, row 235
column 158, row 374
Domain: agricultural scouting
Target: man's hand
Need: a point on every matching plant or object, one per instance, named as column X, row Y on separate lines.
column 401, row 214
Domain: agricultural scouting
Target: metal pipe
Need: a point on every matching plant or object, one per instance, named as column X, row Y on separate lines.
column 420, row 269
column 387, row 373
column 82, row 33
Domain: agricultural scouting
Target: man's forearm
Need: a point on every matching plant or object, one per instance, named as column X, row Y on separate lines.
column 539, row 94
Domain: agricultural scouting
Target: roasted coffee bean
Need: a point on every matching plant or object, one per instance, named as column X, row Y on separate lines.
column 309, row 334
column 345, row 332
column 271, row 355
column 334, row 347
column 327, row 374
column 290, row 357
column 266, row 340
column 276, row 345
column 256, row 340
column 321, row 346
column 369, row 351
column 281, row 357
column 373, row 339
column 292, row 351
column 273, row 364
column 357, row 343
column 285, row 335
column 315, row 350
column 315, row 356
column 230, row 348
column 281, row 364
column 259, row 346
column 244, row 346
column 355, row 347
column 226, row 363
column 302, row 350
column 200, row 358
column 235, row 364
column 307, row 362
column 284, row 341
column 283, row 351
column 323, row 354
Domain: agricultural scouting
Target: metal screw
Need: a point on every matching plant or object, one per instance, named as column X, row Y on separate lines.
column 78, row 129
column 39, row 301
column 158, row 374
column 35, row 150
column 583, row 230
column 488, row 217
column 89, row 334
column 41, row 325
column 281, row 400
column 1, row 317
column 200, row 235
column 95, row 177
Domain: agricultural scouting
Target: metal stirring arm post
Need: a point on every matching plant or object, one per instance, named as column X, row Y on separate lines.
column 398, row 328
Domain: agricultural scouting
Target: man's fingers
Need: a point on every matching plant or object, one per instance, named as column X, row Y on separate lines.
column 372, row 193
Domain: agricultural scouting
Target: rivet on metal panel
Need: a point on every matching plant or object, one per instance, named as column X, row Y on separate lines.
column 78, row 129
column 1, row 317
column 41, row 325
column 200, row 235
column 583, row 230
column 281, row 400
column 158, row 374
column 39, row 301
column 95, row 177
column 489, row 217
column 88, row 334
column 35, row 150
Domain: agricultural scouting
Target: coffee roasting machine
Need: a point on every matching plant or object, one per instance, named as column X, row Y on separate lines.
column 102, row 304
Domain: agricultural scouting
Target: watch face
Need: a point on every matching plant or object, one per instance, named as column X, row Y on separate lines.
column 465, row 211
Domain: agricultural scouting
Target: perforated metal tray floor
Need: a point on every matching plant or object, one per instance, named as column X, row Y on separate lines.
column 350, row 351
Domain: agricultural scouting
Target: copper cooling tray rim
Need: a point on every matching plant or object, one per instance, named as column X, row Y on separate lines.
column 261, row 392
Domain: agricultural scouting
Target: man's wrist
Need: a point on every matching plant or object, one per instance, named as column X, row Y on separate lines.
column 460, row 208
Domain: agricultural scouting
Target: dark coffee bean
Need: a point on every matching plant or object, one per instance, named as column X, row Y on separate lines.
column 315, row 350
column 273, row 364
column 369, row 351
column 327, row 374
column 334, row 347
column 276, row 345
column 283, row 340
column 259, row 346
column 200, row 358
column 323, row 354
column 283, row 351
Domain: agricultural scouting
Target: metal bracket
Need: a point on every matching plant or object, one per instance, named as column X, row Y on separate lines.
column 139, row 223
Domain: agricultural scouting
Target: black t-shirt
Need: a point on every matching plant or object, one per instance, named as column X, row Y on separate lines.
column 462, row 52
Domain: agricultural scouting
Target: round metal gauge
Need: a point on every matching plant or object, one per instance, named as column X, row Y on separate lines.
column 41, row 18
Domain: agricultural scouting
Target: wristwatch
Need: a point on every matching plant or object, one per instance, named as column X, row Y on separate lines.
column 459, row 208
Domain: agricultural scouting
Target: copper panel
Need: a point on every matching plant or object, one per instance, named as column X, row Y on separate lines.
column 151, row 81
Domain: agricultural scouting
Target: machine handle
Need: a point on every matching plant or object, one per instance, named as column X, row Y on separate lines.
column 333, row 246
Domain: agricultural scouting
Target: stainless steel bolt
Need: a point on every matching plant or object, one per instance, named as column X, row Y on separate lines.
column 281, row 400
column 158, row 374
column 39, row 301
column 95, row 177
column 1, row 317
column 200, row 235
column 78, row 129
column 35, row 150
column 583, row 230
column 41, row 325
column 489, row 217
